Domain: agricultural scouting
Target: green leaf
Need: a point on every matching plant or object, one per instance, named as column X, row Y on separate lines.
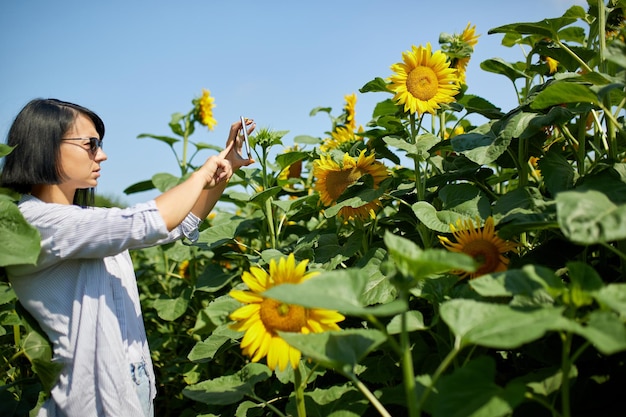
column 414, row 321
column 164, row 181
column 499, row 66
column 166, row 139
column 558, row 173
column 339, row 290
column 260, row 198
column 286, row 159
column 139, row 187
column 205, row 350
column 614, row 297
column 18, row 239
column 339, row 350
column 376, row 85
column 496, row 325
column 547, row 28
column 605, row 331
column 5, row 149
column 589, row 217
column 562, row 92
column 420, row 149
column 482, row 148
column 229, row 389
column 471, row 391
column 419, row 264
column 336, row 401
column 39, row 352
column 213, row 278
column 439, row 221
column 170, row 309
column 476, row 104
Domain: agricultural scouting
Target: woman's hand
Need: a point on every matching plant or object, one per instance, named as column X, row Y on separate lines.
column 232, row 152
column 215, row 170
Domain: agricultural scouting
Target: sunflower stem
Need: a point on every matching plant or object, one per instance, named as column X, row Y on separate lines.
column 369, row 395
column 407, row 368
column 299, row 392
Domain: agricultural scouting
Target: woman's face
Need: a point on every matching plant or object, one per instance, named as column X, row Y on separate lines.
column 80, row 167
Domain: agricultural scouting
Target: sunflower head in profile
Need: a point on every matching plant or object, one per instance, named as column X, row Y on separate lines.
column 204, row 109
column 342, row 138
column 482, row 244
column 333, row 178
column 423, row 81
column 262, row 318
column 350, row 111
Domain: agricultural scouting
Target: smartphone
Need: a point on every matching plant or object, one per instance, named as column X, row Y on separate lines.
column 244, row 130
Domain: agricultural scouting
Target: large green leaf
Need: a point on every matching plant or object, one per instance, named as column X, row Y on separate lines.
column 339, row 350
column 605, row 331
column 496, row 325
column 562, row 92
column 229, row 389
column 18, row 239
column 590, row 217
column 547, row 28
column 172, row 308
column 340, row 290
column 336, row 401
column 472, row 391
column 500, row 66
column 418, row 264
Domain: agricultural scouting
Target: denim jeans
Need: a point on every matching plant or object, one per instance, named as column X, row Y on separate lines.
column 142, row 387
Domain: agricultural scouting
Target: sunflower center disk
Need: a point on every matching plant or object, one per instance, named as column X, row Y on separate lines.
column 337, row 182
column 277, row 315
column 485, row 253
column 422, row 83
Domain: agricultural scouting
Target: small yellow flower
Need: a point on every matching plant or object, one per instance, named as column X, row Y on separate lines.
column 482, row 244
column 183, row 269
column 424, row 80
column 261, row 318
column 334, row 178
column 553, row 64
column 204, row 108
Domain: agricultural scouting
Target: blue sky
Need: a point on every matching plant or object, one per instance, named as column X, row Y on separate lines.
column 137, row 62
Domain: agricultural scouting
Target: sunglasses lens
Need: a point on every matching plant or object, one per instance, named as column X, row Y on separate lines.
column 94, row 144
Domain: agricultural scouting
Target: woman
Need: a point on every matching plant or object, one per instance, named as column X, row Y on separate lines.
column 83, row 289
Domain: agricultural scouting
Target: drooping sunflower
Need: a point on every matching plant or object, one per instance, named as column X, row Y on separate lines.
column 261, row 318
column 350, row 110
column 341, row 138
column 204, row 109
column 424, row 80
column 469, row 38
column 482, row 244
column 334, row 178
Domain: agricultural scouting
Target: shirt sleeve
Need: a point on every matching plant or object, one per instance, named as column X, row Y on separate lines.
column 69, row 231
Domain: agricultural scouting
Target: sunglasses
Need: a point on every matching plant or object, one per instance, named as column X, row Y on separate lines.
column 94, row 144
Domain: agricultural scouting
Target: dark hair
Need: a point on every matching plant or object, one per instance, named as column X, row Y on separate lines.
column 36, row 135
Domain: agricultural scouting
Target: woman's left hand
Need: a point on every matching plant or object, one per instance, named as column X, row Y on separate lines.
column 232, row 152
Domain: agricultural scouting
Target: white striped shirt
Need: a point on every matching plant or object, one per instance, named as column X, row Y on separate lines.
column 83, row 293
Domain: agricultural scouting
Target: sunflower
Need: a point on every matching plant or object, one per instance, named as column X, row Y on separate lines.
column 424, row 80
column 334, row 178
column 350, row 110
column 204, row 109
column 261, row 318
column 341, row 138
column 469, row 35
column 482, row 244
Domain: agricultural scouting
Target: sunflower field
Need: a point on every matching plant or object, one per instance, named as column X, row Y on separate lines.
column 447, row 258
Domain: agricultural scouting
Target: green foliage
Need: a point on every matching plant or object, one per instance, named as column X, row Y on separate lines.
column 544, row 336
